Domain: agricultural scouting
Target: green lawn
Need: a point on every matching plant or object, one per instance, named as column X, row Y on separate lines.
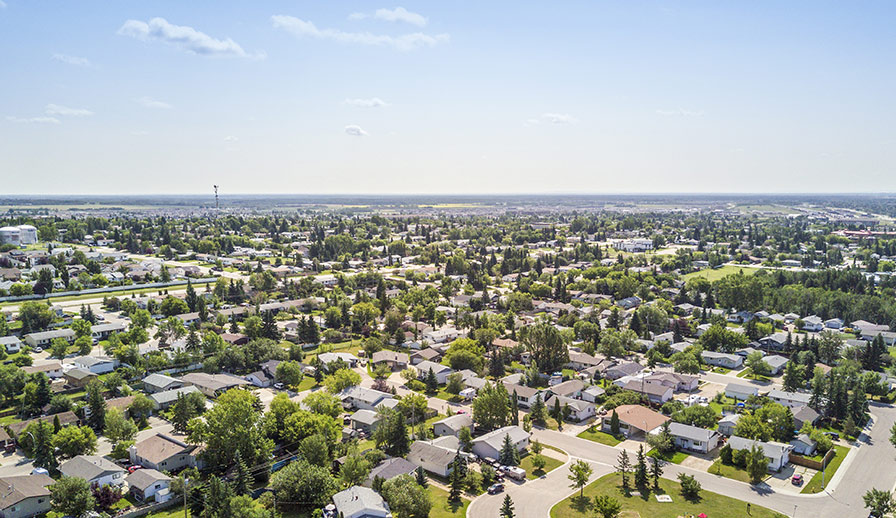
column 675, row 458
column 748, row 374
column 814, row 485
column 646, row 506
column 598, row 436
column 531, row 473
column 307, row 383
column 171, row 512
column 714, row 274
column 442, row 508
column 729, row 471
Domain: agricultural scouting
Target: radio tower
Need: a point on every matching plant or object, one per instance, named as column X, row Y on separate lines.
column 216, row 201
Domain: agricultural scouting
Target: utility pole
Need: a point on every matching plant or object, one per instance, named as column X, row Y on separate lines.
column 186, row 481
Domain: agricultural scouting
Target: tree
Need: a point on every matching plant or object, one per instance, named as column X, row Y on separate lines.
column 71, row 496
column 312, row 486
column 420, row 476
column 97, row 405
column 289, row 373
column 879, row 501
column 538, row 412
column 42, row 446
column 323, row 403
column 690, row 488
column 624, row 466
column 465, row 438
column 406, row 498
column 455, row 383
column 509, row 455
column 72, row 441
column 59, row 348
column 662, row 442
column 216, row 498
column 641, row 468
column 491, row 408
column 607, row 506
column 547, row 345
column 354, row 469
column 893, row 434
column 341, row 380
column 106, row 496
column 793, row 377
column 315, row 449
column 242, row 483
column 233, row 424
column 614, row 424
column 466, row 353
column 579, row 473
column 432, row 383
column 391, row 434
column 757, row 364
column 507, row 508
column 456, row 480
column 656, row 471
column 757, row 464
column 119, row 428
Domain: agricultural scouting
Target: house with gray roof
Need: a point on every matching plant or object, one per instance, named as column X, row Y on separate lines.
column 160, row 383
column 488, row 446
column 727, row 424
column 431, row 457
column 452, row 425
column 579, row 409
column 440, row 371
column 778, row 454
column 94, row 469
column 693, row 438
column 360, row 502
column 163, row 400
column 25, row 496
column 390, row 468
column 776, row 362
column 147, row 485
column 361, row 398
column 725, row 360
column 790, row 399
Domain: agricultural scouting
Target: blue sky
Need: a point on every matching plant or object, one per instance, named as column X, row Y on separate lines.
column 446, row 97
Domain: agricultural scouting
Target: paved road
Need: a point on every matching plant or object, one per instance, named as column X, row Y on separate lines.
column 870, row 464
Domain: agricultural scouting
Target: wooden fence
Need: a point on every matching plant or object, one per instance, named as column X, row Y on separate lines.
column 799, row 460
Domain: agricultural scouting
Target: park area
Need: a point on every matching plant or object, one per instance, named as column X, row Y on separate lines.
column 646, row 506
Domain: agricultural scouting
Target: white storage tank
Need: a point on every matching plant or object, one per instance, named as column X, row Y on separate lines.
column 10, row 236
column 27, row 234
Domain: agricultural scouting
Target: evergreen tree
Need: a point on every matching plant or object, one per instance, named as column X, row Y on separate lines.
column 43, row 451
column 432, row 383
column 656, row 471
column 509, row 455
column 242, row 483
column 420, row 474
column 234, row 327
column 614, row 424
column 97, row 406
column 514, row 410
column 181, row 413
column 641, row 469
column 191, row 298
column 507, row 508
column 538, row 411
column 217, row 499
column 624, row 466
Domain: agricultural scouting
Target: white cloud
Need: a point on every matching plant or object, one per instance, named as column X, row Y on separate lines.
column 149, row 102
column 72, row 60
column 34, row 120
column 355, row 131
column 403, row 42
column 399, row 14
column 373, row 102
column 231, row 138
column 680, row 112
column 56, row 109
column 553, row 118
column 183, row 37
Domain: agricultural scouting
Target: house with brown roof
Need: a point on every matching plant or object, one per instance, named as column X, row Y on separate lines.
column 634, row 419
column 65, row 418
column 25, row 496
column 395, row 360
column 164, row 452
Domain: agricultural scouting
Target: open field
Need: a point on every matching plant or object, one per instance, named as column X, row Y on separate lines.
column 714, row 274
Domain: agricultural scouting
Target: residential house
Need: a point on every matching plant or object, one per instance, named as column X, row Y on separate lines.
column 394, row 360
column 833, row 323
column 804, row 414
column 888, row 337
column 593, row 393
column 390, row 468
column 160, row 383
column 580, row 360
column 44, row 338
column 350, row 360
column 25, row 496
column 623, row 369
column 365, row 420
column 693, row 438
column 102, row 331
column 441, row 371
column 525, row 395
column 778, row 454
column 634, row 419
column 361, row 398
column 452, row 425
column 260, row 379
column 149, row 485
column 213, row 385
column 776, row 363
column 775, row 341
column 432, row 458
column 740, row 392
column 569, row 389
column 96, row 470
column 429, row 354
column 579, row 410
column 163, row 400
column 11, row 344
column 727, row 424
column 677, row 382
column 790, row 399
column 65, row 419
column 803, row 445
column 728, row 361
column 164, row 452
column 813, row 323
column 95, row 364
column 656, row 393
column 488, row 446
column 78, row 378
column 360, row 502
column 53, row 369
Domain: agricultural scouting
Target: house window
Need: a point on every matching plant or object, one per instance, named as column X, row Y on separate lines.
column 164, row 463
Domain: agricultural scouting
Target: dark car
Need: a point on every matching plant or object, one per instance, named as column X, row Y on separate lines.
column 833, row 435
column 495, row 489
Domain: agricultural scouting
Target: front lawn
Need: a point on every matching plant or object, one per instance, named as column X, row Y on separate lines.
column 814, row 485
column 675, row 458
column 550, row 464
column 712, row 504
column 748, row 374
column 442, row 508
column 730, row 471
column 593, row 434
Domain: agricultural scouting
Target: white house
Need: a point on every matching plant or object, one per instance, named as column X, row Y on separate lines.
column 441, row 371
column 740, row 392
column 94, row 469
column 434, row 459
column 45, row 338
column 776, row 362
column 452, row 425
column 693, row 438
column 488, row 446
column 525, row 395
column 12, row 344
column 580, row 410
column 728, row 361
column 149, row 485
column 95, row 364
column 790, row 399
column 361, row 398
column 778, row 454
column 813, row 323
column 728, row 423
column 360, row 502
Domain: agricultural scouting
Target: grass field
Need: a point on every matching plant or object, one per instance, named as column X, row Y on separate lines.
column 531, row 473
column 814, row 485
column 732, row 472
column 714, row 274
column 598, row 436
column 675, row 458
column 646, row 506
column 442, row 508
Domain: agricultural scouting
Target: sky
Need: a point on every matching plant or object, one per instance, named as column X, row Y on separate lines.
column 464, row 97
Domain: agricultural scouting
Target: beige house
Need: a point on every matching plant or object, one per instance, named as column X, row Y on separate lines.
column 164, row 453
column 25, row 496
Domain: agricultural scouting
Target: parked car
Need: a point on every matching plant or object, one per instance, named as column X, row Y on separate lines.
column 134, row 468
column 278, row 386
column 833, row 435
column 797, row 480
column 495, row 489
